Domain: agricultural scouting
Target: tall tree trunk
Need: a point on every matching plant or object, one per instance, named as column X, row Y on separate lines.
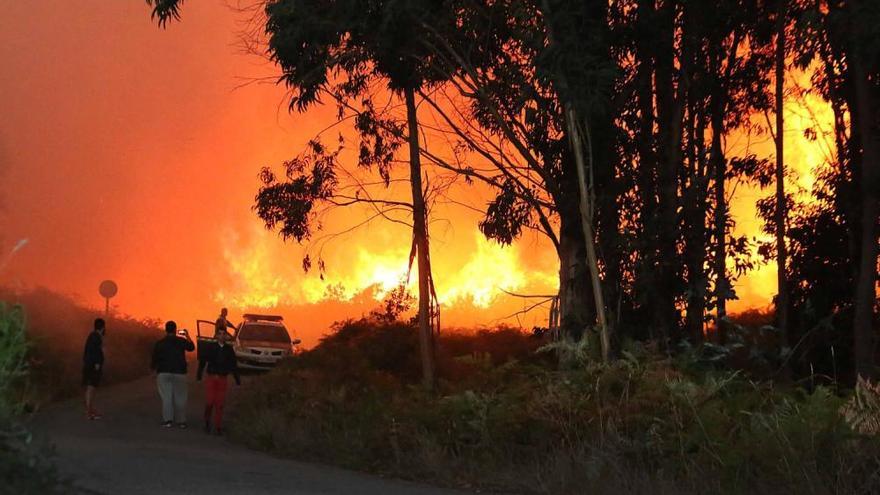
column 722, row 285
column 606, row 191
column 575, row 293
column 646, row 269
column 782, row 296
column 695, row 213
column 585, row 201
column 866, row 295
column 586, row 209
column 420, row 237
column 669, row 127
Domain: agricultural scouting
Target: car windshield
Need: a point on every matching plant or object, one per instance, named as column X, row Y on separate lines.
column 269, row 333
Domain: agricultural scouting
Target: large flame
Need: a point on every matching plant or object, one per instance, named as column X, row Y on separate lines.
column 806, row 114
column 477, row 277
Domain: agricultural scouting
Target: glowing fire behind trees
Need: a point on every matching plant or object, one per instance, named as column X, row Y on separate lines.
column 179, row 250
column 373, row 260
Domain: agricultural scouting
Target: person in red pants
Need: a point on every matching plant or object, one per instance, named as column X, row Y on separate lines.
column 219, row 362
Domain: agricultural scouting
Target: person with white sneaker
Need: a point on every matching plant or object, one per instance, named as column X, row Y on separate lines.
column 169, row 363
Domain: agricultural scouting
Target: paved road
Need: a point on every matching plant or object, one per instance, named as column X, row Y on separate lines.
column 128, row 453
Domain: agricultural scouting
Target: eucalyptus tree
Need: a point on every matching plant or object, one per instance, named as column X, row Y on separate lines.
column 782, row 295
column 843, row 38
column 337, row 50
column 578, row 63
column 503, row 68
column 692, row 76
column 738, row 63
column 863, row 50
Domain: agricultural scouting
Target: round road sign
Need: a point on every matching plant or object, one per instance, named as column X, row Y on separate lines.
column 108, row 289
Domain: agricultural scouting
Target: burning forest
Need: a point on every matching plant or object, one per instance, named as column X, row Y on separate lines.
column 475, row 197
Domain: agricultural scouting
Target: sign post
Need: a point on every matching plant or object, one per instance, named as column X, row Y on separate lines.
column 107, row 289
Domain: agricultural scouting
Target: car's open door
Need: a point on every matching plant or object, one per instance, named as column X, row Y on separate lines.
column 204, row 337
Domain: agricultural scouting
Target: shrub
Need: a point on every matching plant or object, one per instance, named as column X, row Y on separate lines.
column 509, row 419
column 22, row 469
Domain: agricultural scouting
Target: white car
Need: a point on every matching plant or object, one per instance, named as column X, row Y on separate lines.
column 259, row 342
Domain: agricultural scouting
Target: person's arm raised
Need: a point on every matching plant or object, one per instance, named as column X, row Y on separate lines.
column 189, row 345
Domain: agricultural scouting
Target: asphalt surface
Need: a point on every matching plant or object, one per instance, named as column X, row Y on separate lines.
column 129, row 453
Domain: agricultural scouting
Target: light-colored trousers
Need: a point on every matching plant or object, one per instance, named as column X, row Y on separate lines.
column 172, row 390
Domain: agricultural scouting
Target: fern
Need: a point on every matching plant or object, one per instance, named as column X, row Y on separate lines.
column 862, row 411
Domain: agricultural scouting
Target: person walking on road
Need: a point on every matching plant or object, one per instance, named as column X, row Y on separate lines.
column 93, row 366
column 219, row 361
column 169, row 363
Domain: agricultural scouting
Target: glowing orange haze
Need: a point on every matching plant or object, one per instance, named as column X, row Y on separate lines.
column 127, row 153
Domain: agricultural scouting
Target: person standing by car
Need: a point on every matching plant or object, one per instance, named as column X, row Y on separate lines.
column 219, row 361
column 169, row 363
column 222, row 322
column 93, row 365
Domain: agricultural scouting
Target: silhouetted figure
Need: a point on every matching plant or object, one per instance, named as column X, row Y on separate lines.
column 93, row 366
column 169, row 363
column 222, row 323
column 219, row 361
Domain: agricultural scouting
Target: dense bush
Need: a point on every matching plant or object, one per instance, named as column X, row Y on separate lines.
column 511, row 419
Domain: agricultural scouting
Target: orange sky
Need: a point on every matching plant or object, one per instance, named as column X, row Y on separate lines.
column 127, row 152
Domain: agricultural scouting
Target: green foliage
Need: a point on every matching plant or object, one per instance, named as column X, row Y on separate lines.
column 13, row 357
column 23, row 469
column 519, row 422
column 163, row 10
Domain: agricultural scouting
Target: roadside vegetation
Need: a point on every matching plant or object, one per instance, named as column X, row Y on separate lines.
column 41, row 339
column 23, row 469
column 57, row 326
column 514, row 414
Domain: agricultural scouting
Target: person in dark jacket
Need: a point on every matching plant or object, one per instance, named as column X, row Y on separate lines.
column 222, row 322
column 220, row 362
column 169, row 363
column 93, row 365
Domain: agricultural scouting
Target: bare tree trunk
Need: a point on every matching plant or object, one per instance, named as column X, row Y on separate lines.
column 722, row 285
column 586, row 209
column 669, row 126
column 585, row 201
column 782, row 296
column 694, row 209
column 575, row 293
column 866, row 296
column 646, row 271
column 420, row 236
